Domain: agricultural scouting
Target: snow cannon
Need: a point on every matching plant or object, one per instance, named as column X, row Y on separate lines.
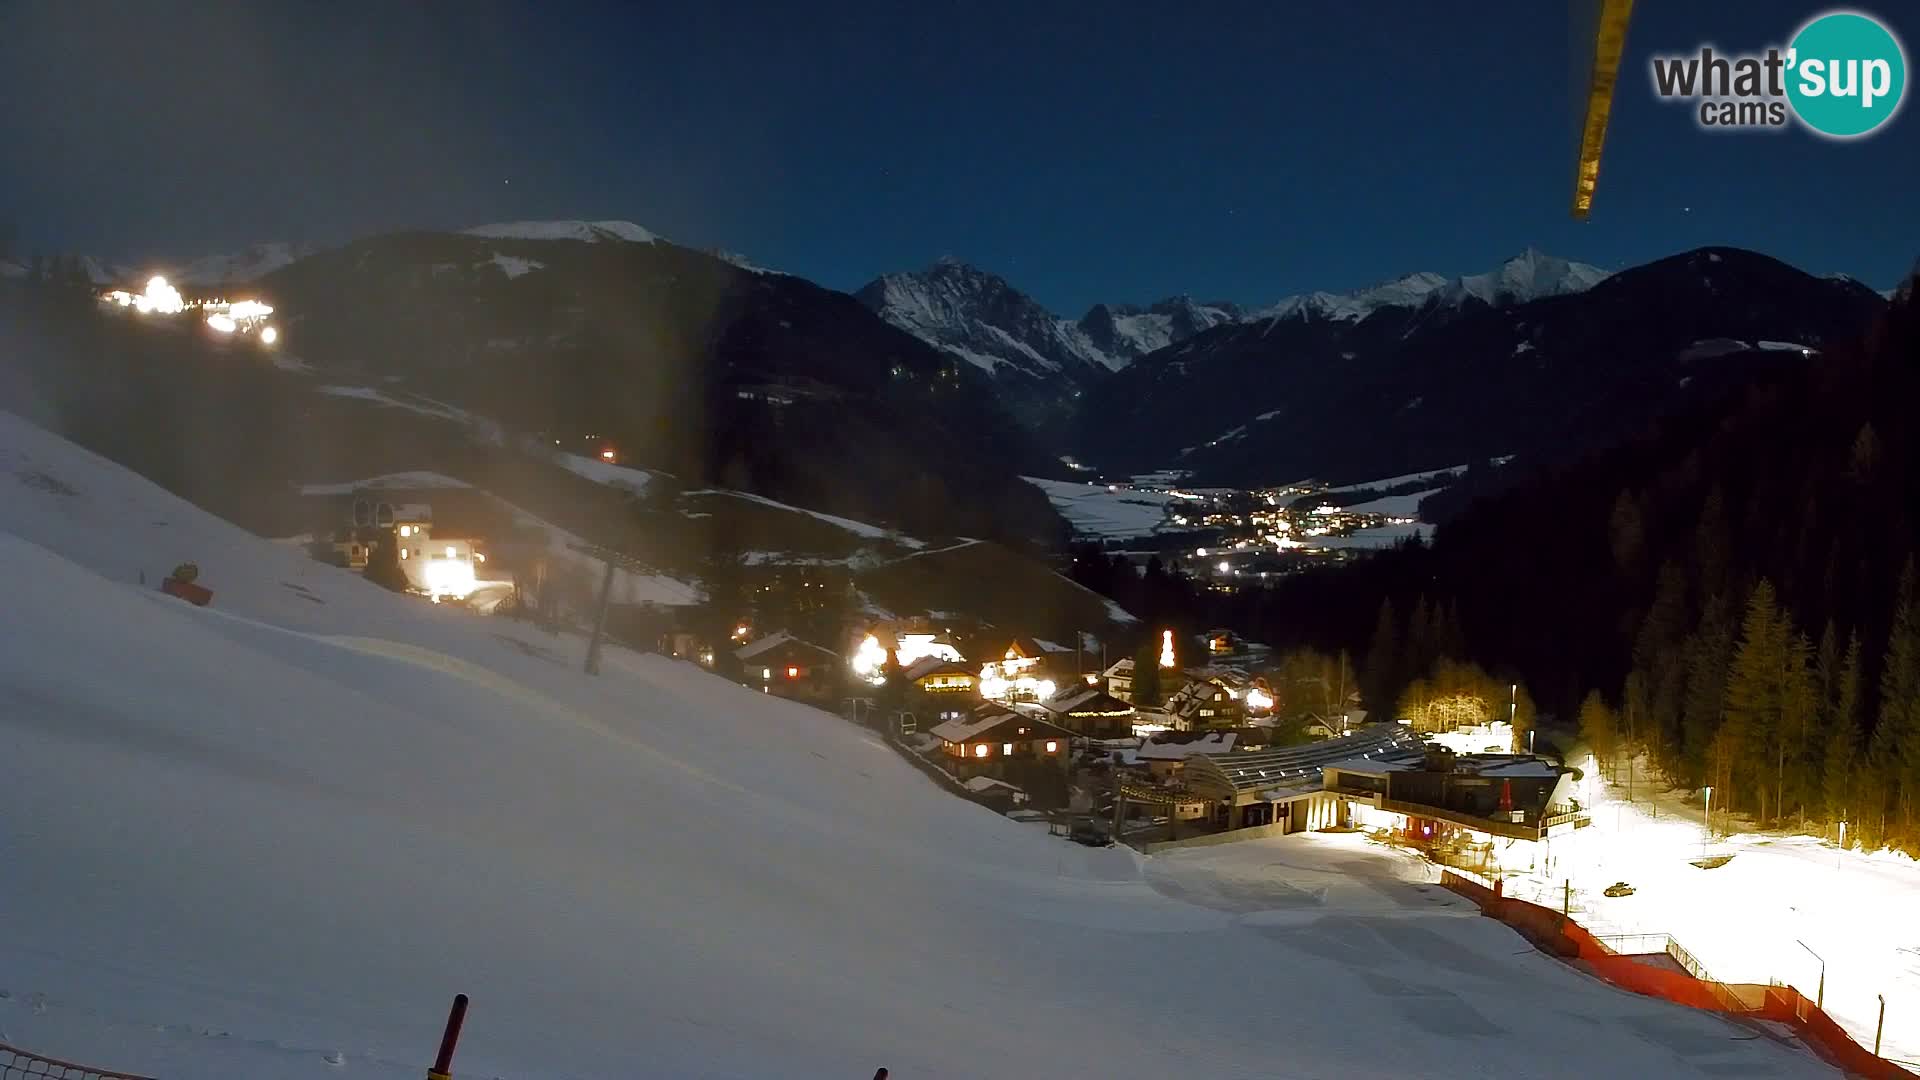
column 184, row 583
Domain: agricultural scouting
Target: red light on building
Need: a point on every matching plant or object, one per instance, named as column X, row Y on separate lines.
column 793, row 673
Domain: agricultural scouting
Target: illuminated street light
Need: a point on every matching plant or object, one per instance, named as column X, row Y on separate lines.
column 269, row 335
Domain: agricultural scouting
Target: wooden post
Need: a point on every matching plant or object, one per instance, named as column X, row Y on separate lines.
column 600, row 621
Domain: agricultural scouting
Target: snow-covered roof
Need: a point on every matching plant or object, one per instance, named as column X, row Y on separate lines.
column 929, row 665
column 1085, row 699
column 1291, row 765
column 987, row 719
column 982, row 784
column 1213, row 742
column 972, row 725
column 765, row 645
column 1121, row 669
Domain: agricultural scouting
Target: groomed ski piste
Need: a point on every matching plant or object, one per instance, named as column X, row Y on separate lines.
column 272, row 838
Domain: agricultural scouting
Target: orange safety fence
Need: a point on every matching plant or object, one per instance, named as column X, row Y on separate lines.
column 1687, row 983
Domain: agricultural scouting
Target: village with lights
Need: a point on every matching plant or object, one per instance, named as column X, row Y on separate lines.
column 248, row 320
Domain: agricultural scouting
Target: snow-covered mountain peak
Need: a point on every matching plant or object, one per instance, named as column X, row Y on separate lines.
column 976, row 315
column 1529, row 275
column 590, row 231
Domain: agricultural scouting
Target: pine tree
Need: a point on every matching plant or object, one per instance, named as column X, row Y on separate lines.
column 1843, row 741
column 1659, row 655
column 1865, row 455
column 1826, row 668
column 1437, row 635
column 1627, row 535
column 1383, row 666
column 1635, row 703
column 1453, row 640
column 1704, row 694
column 1419, row 655
column 1796, row 777
column 1754, row 695
column 1597, row 728
column 1896, row 738
column 1147, row 692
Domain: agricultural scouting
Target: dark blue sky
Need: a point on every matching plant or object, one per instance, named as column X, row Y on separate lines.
column 1119, row 151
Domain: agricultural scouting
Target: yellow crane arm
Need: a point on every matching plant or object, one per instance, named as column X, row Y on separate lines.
column 1610, row 41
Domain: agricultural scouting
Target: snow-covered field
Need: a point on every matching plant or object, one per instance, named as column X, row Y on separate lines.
column 1396, row 481
column 605, row 472
column 1407, row 505
column 1383, row 537
column 1094, row 511
column 858, row 528
column 241, row 840
column 1744, row 920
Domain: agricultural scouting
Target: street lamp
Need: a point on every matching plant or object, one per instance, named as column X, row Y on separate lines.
column 1707, row 820
column 1879, row 1025
column 1819, row 995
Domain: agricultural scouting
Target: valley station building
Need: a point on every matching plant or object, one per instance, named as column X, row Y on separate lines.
column 1386, row 777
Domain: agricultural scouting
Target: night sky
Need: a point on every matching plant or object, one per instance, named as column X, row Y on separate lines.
column 1111, row 152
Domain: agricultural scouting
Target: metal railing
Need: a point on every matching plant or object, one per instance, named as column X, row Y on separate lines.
column 1656, row 944
column 18, row 1064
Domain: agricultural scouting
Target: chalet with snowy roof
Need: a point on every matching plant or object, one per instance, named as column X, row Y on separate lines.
column 788, row 667
column 992, row 741
column 1207, row 700
column 1165, row 755
column 942, row 678
column 1119, row 679
column 1090, row 712
column 1029, row 669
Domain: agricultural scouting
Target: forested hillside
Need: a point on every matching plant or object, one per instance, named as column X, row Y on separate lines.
column 1733, row 591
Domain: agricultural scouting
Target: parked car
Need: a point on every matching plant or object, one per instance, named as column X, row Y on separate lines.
column 1619, row 888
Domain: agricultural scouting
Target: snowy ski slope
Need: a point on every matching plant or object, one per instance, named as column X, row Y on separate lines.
column 235, row 842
